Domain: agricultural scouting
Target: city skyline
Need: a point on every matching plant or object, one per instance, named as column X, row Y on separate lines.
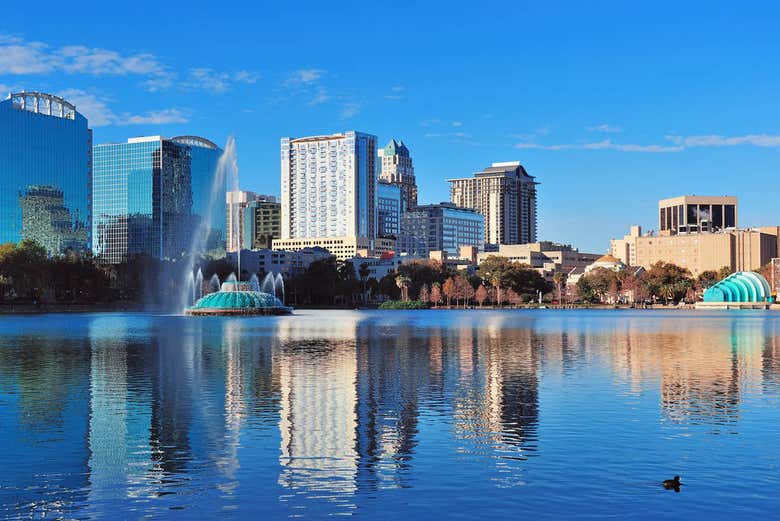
column 629, row 103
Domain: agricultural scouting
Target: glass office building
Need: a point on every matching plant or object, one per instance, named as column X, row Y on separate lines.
column 440, row 227
column 45, row 172
column 142, row 199
column 388, row 210
column 208, row 201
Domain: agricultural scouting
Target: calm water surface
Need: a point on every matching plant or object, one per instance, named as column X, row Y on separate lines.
column 394, row 415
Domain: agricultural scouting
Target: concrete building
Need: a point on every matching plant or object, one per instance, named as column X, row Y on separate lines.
column 288, row 263
column 342, row 248
column 236, row 202
column 546, row 257
column 696, row 214
column 329, row 186
column 46, row 166
column 388, row 210
column 506, row 195
column 397, row 169
column 443, row 226
column 262, row 224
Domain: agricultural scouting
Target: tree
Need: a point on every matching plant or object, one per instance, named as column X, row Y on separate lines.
column 668, row 281
column 706, row 279
column 559, row 279
column 403, row 282
column 724, row 272
column 435, row 296
column 464, row 289
column 497, row 271
column 364, row 271
column 424, row 293
column 449, row 289
column 481, row 295
column 513, row 297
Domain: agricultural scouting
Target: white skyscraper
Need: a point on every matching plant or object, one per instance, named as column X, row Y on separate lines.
column 328, row 189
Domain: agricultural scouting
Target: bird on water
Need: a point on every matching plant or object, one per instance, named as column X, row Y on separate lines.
column 672, row 484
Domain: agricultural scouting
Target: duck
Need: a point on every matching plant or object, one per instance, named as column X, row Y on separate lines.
column 672, row 484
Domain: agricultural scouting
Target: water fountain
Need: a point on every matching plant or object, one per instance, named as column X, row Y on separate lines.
column 198, row 285
column 279, row 287
column 232, row 297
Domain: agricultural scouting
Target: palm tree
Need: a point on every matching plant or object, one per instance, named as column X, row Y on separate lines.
column 559, row 278
column 403, row 282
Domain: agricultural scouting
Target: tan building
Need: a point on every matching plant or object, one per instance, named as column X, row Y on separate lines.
column 739, row 250
column 697, row 214
column 546, row 257
column 342, row 248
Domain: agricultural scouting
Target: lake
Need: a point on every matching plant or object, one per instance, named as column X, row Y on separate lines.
column 533, row 414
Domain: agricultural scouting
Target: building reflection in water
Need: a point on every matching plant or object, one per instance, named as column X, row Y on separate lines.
column 161, row 410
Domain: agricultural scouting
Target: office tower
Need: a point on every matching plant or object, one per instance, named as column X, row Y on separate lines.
column 440, row 227
column 397, row 169
column 208, row 201
column 262, row 224
column 142, row 199
column 506, row 195
column 238, row 234
column 46, row 171
column 388, row 209
column 329, row 192
column 696, row 214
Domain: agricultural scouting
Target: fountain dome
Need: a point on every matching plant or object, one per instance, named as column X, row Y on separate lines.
column 236, row 298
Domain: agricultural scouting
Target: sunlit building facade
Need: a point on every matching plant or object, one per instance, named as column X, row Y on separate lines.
column 388, row 209
column 397, row 169
column 142, row 199
column 45, row 172
column 440, row 227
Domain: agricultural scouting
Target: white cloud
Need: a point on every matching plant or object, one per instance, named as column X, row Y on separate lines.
column 463, row 135
column 457, row 123
column 601, row 145
column 758, row 140
column 21, row 57
column 96, row 109
column 350, row 109
column 605, row 127
column 304, row 77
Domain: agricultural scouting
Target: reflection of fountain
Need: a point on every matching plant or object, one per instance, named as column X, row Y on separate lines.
column 225, row 176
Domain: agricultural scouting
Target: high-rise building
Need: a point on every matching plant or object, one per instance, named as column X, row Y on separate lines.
column 142, row 199
column 45, row 172
column 329, row 192
column 397, row 169
column 440, row 227
column 262, row 224
column 208, row 202
column 506, row 195
column 388, row 209
column 238, row 233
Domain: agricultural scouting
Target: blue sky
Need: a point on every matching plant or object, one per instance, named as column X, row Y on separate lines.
column 612, row 105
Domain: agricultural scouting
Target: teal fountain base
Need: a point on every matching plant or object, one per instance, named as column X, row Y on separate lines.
column 238, row 299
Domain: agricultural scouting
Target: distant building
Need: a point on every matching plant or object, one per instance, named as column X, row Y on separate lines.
column 388, row 210
column 288, row 263
column 696, row 214
column 506, row 195
column 142, row 199
column 444, row 227
column 397, row 169
column 236, row 203
column 546, row 257
column 208, row 204
column 342, row 248
column 46, row 167
column 262, row 224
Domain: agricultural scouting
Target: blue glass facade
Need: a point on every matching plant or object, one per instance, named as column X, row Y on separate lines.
column 388, row 210
column 208, row 200
column 440, row 227
column 45, row 171
column 142, row 199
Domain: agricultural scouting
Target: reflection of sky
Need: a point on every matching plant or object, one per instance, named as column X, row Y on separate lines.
column 416, row 413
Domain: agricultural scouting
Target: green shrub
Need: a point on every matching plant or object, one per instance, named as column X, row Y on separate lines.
column 400, row 304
